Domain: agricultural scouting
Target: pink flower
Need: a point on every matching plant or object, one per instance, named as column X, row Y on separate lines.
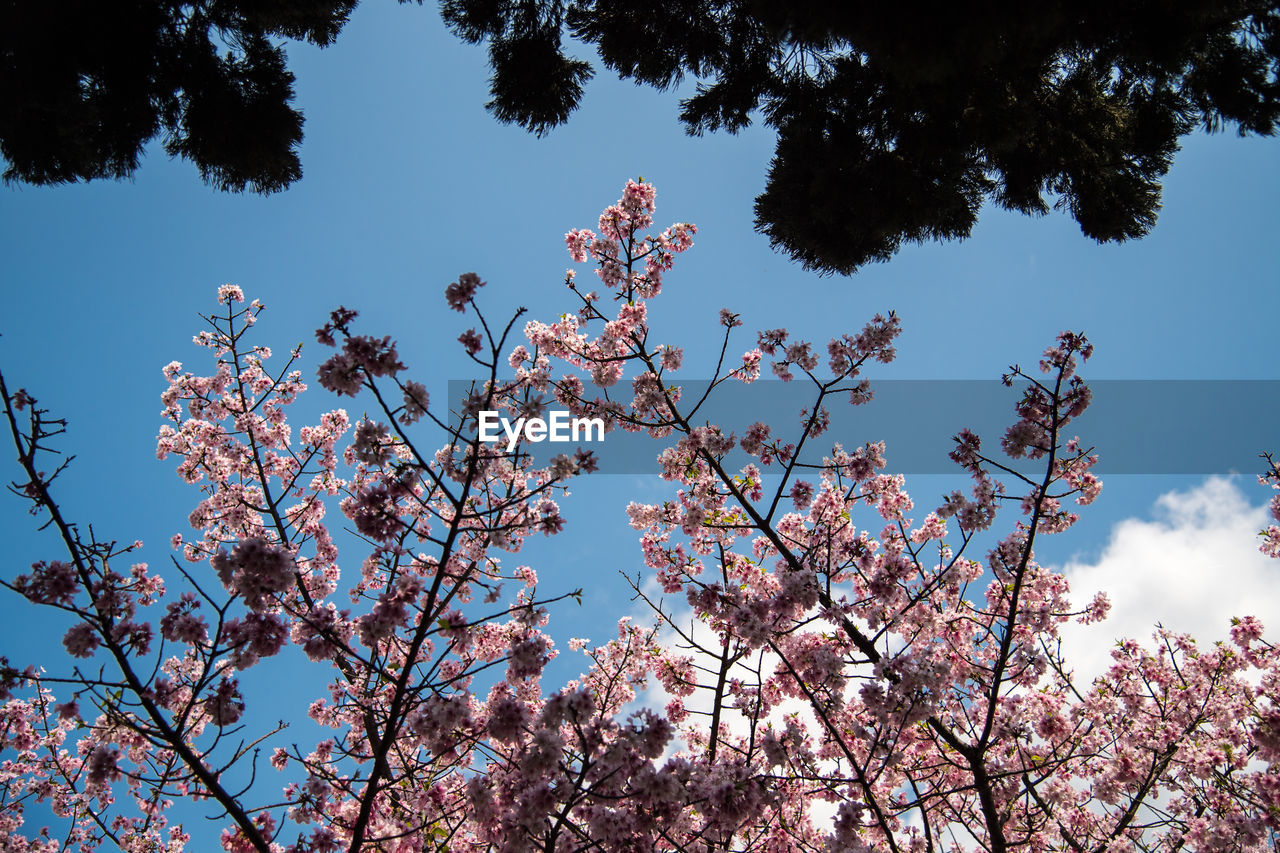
column 578, row 241
column 256, row 570
column 460, row 292
column 229, row 293
column 81, row 640
column 225, row 706
column 415, row 402
column 471, row 341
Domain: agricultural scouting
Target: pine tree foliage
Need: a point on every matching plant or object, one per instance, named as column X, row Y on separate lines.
column 85, row 85
column 896, row 122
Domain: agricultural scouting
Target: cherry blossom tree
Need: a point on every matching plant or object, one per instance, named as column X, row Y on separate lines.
column 835, row 670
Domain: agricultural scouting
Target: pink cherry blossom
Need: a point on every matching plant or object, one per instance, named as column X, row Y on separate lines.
column 828, row 667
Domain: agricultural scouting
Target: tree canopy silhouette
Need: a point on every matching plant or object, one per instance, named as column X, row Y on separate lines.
column 86, row 85
column 896, row 122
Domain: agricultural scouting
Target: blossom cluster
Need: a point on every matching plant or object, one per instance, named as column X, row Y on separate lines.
column 835, row 669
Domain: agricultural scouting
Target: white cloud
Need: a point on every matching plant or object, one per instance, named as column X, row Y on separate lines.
column 1192, row 569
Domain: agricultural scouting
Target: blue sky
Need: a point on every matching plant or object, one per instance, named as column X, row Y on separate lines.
column 409, row 182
